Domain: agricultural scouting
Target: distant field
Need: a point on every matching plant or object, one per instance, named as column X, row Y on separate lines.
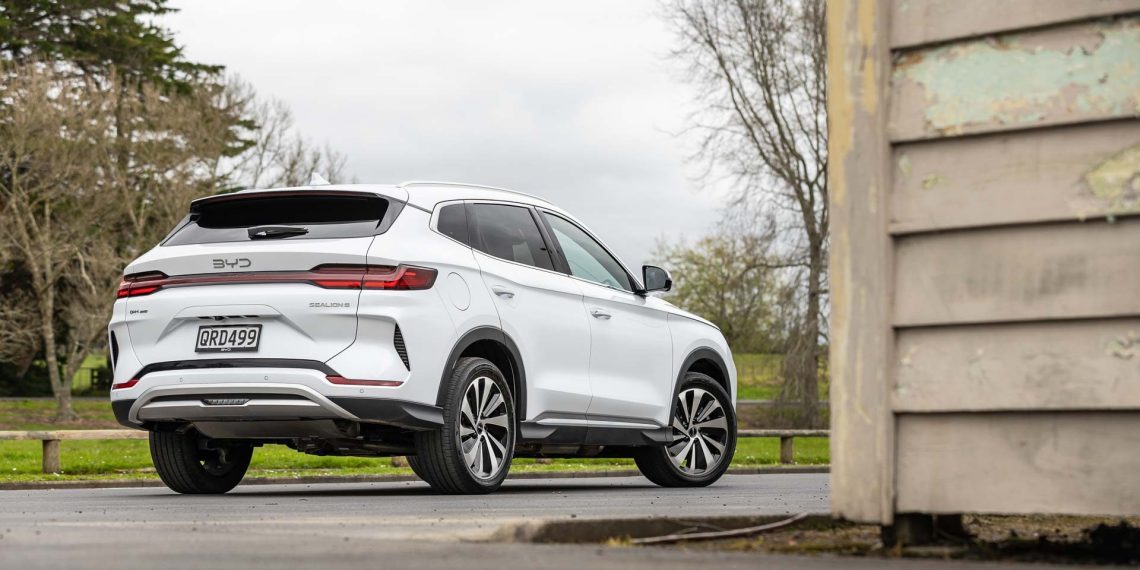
column 38, row 414
column 81, row 382
column 758, row 376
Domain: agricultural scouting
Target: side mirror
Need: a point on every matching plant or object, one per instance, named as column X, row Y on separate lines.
column 655, row 279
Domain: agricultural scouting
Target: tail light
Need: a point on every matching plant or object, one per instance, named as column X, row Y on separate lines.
column 140, row 284
column 399, row 278
column 405, row 278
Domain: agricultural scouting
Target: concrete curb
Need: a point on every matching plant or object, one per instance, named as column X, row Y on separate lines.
column 598, row 530
column 315, row 480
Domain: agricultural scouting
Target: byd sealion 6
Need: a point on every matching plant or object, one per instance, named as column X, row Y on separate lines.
column 458, row 325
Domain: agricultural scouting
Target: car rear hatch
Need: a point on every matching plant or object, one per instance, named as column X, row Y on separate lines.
column 263, row 275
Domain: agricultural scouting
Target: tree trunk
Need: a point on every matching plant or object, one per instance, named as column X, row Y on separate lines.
column 810, row 340
column 60, row 387
column 801, row 360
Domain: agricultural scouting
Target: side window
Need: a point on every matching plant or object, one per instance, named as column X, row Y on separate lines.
column 587, row 258
column 453, row 223
column 510, row 232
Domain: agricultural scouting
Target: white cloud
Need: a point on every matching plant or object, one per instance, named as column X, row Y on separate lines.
column 573, row 101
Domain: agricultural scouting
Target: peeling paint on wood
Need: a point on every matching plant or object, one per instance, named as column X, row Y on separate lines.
column 1116, row 182
column 931, row 181
column 995, row 367
column 1017, row 178
column 1082, row 72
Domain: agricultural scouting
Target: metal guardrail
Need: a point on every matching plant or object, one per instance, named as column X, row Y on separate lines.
column 51, row 440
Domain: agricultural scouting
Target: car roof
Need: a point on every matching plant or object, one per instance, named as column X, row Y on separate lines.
column 427, row 194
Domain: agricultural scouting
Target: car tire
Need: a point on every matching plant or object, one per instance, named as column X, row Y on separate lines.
column 471, row 453
column 194, row 465
column 703, row 437
column 414, row 463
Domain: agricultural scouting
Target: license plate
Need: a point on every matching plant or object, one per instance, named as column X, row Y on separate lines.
column 228, row 338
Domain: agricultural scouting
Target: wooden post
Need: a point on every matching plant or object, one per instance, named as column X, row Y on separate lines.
column 862, row 275
column 51, row 456
column 787, row 449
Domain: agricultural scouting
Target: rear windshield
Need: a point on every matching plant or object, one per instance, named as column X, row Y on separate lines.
column 321, row 216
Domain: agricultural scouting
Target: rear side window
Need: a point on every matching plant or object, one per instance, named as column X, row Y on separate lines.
column 453, row 223
column 510, row 233
column 313, row 216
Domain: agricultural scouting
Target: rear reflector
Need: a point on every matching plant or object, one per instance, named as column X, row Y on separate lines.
column 124, row 385
column 400, row 278
column 341, row 380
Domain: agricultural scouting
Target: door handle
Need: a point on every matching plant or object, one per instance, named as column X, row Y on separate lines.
column 600, row 314
column 503, row 292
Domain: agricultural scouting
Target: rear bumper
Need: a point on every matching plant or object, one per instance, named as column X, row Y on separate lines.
column 270, row 394
column 397, row 413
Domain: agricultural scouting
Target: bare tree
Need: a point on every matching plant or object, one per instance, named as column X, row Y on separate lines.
column 89, row 178
column 733, row 279
column 92, row 175
column 759, row 66
column 50, row 161
column 278, row 155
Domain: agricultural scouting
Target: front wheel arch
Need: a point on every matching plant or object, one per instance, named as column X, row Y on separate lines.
column 705, row 361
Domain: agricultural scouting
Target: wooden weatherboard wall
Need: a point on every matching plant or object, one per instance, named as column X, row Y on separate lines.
column 985, row 256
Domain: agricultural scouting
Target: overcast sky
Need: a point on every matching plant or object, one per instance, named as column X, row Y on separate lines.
column 573, row 101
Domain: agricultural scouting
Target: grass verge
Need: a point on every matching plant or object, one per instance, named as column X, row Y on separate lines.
column 20, row 461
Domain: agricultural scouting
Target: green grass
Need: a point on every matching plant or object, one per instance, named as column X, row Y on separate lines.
column 95, row 460
column 758, row 376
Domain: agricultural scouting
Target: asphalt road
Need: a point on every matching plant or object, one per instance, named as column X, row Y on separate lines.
column 378, row 525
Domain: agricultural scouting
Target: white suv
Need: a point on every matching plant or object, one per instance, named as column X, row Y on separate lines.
column 458, row 325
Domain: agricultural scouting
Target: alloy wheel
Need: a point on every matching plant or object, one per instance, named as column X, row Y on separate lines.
column 700, row 432
column 484, row 428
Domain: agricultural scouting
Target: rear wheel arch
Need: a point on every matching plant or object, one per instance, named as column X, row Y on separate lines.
column 496, row 346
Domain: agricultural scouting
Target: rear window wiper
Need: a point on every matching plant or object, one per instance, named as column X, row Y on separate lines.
column 273, row 232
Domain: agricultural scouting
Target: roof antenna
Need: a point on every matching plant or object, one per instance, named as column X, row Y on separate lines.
column 317, row 180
